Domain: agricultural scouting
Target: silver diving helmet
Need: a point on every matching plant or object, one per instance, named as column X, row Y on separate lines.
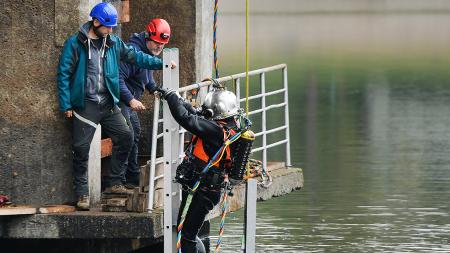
column 220, row 104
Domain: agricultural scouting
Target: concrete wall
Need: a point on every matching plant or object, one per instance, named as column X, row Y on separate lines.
column 35, row 165
column 35, row 139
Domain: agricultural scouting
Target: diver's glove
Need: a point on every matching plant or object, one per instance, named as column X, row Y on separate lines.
column 153, row 89
column 164, row 91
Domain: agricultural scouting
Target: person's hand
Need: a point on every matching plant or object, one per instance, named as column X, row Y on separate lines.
column 136, row 105
column 68, row 114
column 173, row 65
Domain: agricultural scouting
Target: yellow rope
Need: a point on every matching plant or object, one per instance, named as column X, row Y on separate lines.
column 246, row 59
column 246, row 67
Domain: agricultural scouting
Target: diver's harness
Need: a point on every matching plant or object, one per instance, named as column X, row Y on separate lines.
column 234, row 155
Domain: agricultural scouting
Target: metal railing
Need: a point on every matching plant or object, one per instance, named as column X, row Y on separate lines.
column 173, row 134
column 263, row 111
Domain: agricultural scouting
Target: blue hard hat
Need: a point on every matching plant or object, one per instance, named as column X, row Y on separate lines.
column 105, row 13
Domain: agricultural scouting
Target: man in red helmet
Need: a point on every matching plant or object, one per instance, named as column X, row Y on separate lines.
column 133, row 81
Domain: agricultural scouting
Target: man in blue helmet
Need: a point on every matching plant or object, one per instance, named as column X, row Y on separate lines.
column 88, row 85
column 133, row 81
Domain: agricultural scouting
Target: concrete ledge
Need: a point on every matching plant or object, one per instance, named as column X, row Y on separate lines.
column 80, row 245
column 84, row 225
column 285, row 180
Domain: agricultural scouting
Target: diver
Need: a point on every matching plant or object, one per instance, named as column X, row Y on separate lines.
column 213, row 126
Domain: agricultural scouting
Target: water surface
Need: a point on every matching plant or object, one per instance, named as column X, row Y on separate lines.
column 370, row 102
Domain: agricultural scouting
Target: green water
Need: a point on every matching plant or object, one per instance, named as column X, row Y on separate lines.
column 369, row 106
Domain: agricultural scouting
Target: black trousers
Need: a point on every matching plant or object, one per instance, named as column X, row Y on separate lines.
column 132, row 170
column 203, row 201
column 114, row 125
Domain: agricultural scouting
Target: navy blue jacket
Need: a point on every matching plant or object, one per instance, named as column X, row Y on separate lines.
column 133, row 79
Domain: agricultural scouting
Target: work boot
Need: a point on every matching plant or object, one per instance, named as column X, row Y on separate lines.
column 132, row 181
column 118, row 189
column 83, row 203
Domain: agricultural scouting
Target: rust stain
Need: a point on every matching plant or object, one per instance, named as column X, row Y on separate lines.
column 106, row 149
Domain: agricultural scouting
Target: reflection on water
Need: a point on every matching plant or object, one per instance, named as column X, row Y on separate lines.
column 372, row 133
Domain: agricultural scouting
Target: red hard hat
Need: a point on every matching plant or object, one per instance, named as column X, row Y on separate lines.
column 159, row 30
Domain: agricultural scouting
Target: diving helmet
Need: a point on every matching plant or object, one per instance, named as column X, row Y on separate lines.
column 220, row 104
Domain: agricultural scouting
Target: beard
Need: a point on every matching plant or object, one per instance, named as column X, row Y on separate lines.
column 155, row 51
column 98, row 33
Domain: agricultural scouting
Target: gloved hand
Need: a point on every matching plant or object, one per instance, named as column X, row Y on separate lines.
column 198, row 111
column 164, row 91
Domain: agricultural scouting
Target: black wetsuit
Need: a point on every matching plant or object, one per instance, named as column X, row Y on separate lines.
column 204, row 199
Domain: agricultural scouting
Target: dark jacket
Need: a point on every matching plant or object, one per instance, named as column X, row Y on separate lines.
column 73, row 67
column 133, row 79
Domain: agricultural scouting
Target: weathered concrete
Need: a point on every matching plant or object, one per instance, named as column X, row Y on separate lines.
column 84, row 225
column 69, row 16
column 285, row 180
column 35, row 152
column 81, row 232
column 204, row 43
column 81, row 245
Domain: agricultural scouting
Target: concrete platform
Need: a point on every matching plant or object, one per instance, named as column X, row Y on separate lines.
column 285, row 180
column 88, row 231
column 140, row 229
column 83, row 225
